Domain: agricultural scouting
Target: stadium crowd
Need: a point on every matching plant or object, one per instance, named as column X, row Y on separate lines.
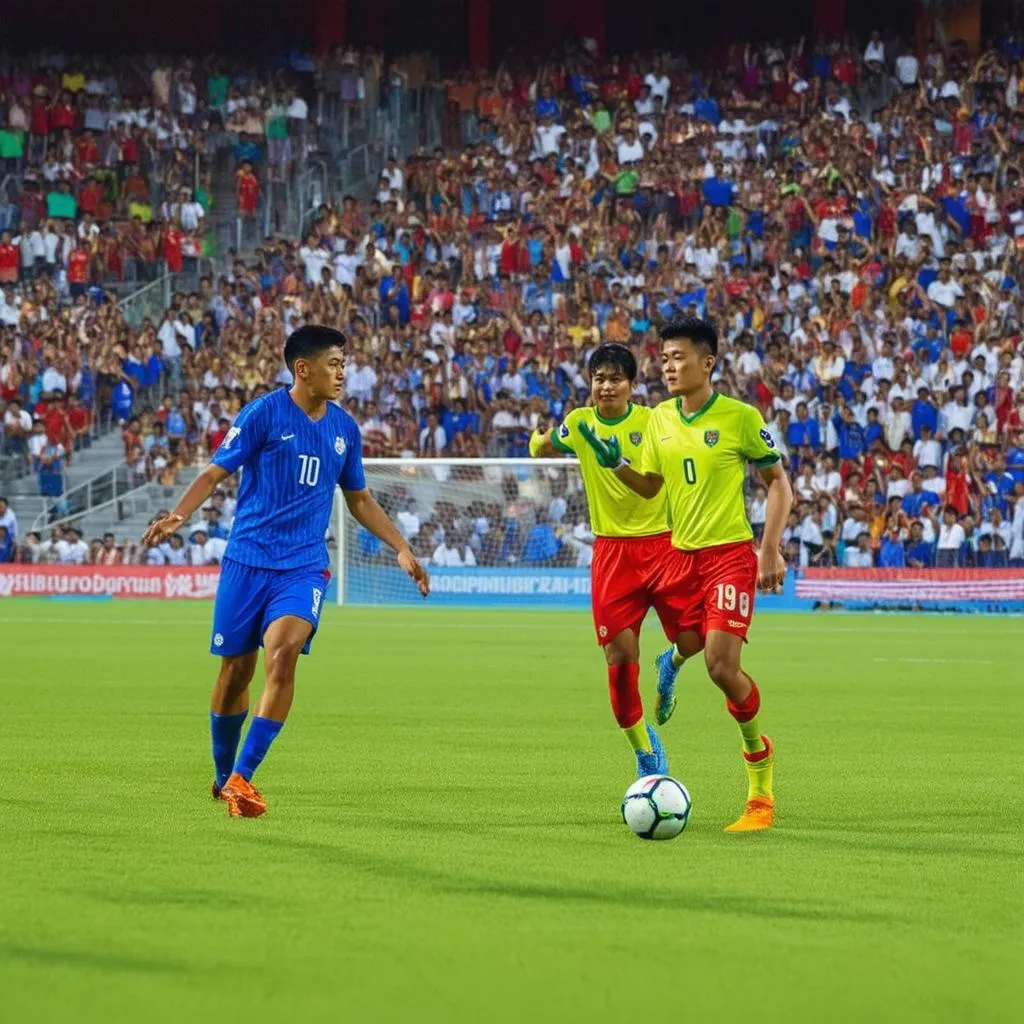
column 850, row 216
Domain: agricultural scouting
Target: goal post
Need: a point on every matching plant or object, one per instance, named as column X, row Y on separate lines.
column 502, row 533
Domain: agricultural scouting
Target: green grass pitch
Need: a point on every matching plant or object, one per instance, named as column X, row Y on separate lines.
column 443, row 842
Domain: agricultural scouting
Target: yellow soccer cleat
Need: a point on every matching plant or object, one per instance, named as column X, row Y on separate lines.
column 758, row 816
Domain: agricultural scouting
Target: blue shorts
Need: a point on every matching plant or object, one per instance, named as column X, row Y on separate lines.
column 250, row 599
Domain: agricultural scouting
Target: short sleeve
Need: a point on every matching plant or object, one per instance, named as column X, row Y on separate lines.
column 758, row 444
column 352, row 477
column 650, row 450
column 244, row 439
column 561, row 437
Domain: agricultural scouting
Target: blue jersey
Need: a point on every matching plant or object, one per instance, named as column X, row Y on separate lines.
column 291, row 465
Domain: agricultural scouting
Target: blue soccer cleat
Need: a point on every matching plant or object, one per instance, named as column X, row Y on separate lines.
column 654, row 763
column 667, row 672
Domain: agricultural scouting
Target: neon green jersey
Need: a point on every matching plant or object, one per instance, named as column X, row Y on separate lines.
column 703, row 460
column 615, row 510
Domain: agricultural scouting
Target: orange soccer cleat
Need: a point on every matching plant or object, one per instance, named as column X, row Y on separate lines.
column 759, row 815
column 242, row 798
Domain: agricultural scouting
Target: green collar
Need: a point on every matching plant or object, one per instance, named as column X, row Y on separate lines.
column 618, row 419
column 700, row 412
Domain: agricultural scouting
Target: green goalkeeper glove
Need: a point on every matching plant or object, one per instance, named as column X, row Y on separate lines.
column 609, row 453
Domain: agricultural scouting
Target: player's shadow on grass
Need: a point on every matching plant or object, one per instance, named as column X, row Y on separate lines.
column 692, row 899
column 48, row 956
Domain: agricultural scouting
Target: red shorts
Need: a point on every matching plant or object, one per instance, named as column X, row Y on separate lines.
column 715, row 587
column 627, row 578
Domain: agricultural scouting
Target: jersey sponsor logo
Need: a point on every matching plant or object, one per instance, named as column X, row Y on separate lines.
column 711, row 438
column 563, row 430
column 229, row 437
column 635, row 438
column 218, row 640
column 287, row 437
column 339, row 445
column 766, row 436
column 317, row 594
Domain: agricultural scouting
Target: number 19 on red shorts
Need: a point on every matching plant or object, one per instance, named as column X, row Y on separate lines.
column 720, row 583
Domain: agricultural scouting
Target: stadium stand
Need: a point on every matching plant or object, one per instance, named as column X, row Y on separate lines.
column 851, row 216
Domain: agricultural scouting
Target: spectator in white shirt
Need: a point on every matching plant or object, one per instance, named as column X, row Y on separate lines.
column 951, row 541
column 944, row 291
column 455, row 553
column 927, row 451
column 71, row 549
column 996, row 526
column 907, row 68
column 408, row 521
column 826, row 480
column 54, row 380
column 8, row 520
column 206, row 551
column 859, row 556
column 433, row 440
column 874, row 52
column 629, row 148
column 174, row 551
column 897, row 425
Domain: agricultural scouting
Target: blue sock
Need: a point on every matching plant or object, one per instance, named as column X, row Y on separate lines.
column 262, row 732
column 225, row 731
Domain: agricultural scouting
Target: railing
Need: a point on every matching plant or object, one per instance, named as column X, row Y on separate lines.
column 99, row 490
column 360, row 141
column 144, row 499
column 152, row 300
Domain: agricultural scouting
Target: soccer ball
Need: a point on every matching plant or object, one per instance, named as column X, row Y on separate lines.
column 656, row 807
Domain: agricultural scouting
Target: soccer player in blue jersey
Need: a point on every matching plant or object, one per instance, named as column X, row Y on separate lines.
column 294, row 447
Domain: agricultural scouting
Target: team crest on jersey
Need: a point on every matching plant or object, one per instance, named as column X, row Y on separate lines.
column 339, row 445
column 711, row 438
column 563, row 430
column 636, row 437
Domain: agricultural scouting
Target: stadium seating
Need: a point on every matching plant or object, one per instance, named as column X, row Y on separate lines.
column 852, row 224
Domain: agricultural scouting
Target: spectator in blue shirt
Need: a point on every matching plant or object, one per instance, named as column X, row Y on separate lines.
column 122, row 399
column 850, row 434
column 923, row 414
column 803, row 431
column 1015, row 458
column 918, row 553
column 891, row 554
column 991, row 552
column 542, row 544
column 547, row 105
column 155, row 363
column 718, row 190
column 6, row 546
column 134, row 368
column 873, row 431
column 917, row 500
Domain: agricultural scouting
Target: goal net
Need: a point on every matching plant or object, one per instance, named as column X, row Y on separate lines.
column 499, row 532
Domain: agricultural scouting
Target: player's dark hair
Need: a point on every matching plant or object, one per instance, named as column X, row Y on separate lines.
column 693, row 329
column 613, row 354
column 310, row 341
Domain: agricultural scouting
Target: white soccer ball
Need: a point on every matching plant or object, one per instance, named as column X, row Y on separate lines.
column 656, row 807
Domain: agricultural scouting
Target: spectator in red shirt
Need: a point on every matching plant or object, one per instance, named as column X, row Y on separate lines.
column 78, row 271
column 10, row 259
column 247, row 192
